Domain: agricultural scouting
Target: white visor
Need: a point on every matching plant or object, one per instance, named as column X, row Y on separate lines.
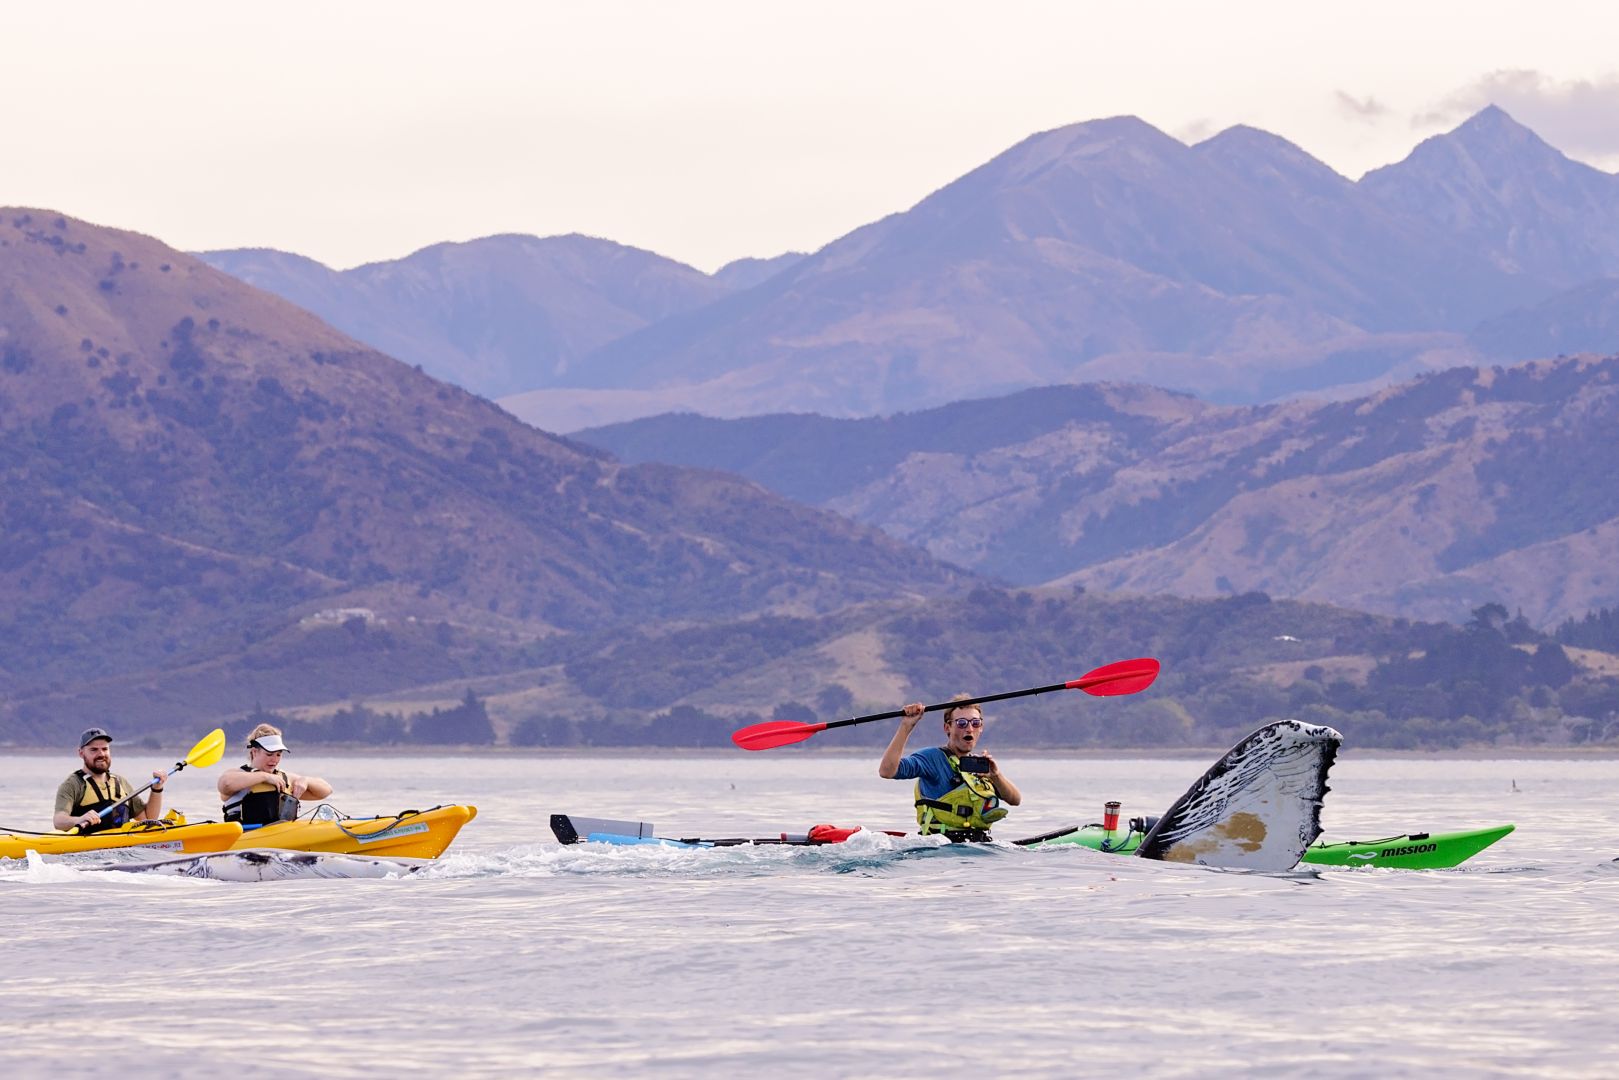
column 270, row 743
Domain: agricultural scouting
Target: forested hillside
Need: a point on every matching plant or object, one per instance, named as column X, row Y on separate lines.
column 1228, row 666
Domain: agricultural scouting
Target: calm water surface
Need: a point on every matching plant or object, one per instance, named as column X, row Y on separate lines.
column 516, row 954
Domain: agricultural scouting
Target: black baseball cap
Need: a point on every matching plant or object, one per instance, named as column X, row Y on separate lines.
column 91, row 734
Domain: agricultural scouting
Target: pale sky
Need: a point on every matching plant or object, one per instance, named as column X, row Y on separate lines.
column 364, row 130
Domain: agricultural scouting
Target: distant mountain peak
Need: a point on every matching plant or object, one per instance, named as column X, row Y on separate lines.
column 1492, row 116
column 1492, row 111
column 1489, row 140
column 1538, row 214
column 747, row 272
column 573, row 243
column 1108, row 131
column 239, row 261
column 1491, row 129
column 1243, row 146
column 1244, row 133
column 1112, row 127
column 1112, row 143
column 1249, row 139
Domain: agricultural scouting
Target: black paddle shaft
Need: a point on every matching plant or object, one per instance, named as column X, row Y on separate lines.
column 950, row 704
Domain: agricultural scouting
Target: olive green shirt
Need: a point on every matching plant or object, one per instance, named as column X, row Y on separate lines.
column 73, row 788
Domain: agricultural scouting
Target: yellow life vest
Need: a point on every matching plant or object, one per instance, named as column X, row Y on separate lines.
column 972, row 805
column 93, row 798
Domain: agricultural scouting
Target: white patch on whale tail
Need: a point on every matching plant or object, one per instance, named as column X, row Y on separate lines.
column 268, row 864
column 1257, row 808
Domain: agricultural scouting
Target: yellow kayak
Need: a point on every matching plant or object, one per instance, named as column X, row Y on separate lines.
column 169, row 834
column 413, row 834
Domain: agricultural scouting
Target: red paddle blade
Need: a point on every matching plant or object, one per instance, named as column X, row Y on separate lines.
column 774, row 733
column 1124, row 677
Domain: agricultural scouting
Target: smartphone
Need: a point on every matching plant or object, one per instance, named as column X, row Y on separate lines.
column 974, row 763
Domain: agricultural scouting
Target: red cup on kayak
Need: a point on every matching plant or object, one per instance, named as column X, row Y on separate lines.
column 1110, row 816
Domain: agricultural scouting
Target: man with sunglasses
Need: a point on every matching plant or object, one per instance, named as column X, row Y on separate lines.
column 958, row 792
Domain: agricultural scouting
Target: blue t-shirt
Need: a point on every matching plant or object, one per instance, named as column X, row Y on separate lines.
column 932, row 768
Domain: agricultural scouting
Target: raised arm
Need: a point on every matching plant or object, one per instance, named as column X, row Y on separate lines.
column 889, row 765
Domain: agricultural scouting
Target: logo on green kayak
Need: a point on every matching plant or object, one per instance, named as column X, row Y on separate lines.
column 1412, row 849
column 1395, row 852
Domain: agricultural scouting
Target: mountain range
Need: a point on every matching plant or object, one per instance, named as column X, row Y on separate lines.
column 1240, row 268
column 210, row 498
column 1423, row 500
column 192, row 470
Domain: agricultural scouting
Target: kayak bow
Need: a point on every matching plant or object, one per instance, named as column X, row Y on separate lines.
column 420, row 834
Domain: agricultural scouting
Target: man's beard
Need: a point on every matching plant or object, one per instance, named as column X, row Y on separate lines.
column 99, row 768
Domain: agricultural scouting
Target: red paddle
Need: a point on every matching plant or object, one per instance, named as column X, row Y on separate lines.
column 1110, row 680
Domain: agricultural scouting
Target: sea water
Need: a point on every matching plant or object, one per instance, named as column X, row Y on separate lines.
column 515, row 955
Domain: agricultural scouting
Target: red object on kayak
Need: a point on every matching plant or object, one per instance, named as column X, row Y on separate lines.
column 836, row 834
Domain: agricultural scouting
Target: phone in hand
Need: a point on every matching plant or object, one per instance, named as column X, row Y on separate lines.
column 974, row 764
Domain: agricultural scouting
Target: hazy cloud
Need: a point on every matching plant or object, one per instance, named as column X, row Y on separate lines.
column 1196, row 131
column 1368, row 108
column 1576, row 116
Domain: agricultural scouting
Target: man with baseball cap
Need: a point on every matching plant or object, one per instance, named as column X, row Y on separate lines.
column 92, row 789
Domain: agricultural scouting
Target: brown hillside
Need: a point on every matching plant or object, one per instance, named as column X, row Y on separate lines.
column 1423, row 500
column 191, row 465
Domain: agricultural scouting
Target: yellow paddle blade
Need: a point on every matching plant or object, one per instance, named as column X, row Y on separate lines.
column 209, row 750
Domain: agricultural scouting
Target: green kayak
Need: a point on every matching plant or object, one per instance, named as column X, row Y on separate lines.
column 1412, row 851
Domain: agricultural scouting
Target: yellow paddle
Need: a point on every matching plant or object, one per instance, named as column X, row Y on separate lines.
column 205, row 753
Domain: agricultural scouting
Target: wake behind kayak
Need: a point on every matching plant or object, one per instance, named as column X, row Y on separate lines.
column 267, row 865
